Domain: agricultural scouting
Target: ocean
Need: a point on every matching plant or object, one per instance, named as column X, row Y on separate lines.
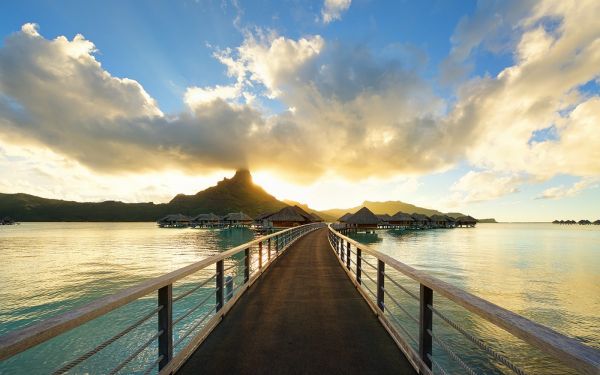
column 547, row 273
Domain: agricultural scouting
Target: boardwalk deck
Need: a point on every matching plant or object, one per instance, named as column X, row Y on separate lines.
column 304, row 317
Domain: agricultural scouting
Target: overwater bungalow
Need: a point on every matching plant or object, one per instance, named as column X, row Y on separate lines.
column 7, row 221
column 401, row 219
column 363, row 219
column 420, row 220
column 237, row 219
column 450, row 222
column 597, row 222
column 466, row 221
column 584, row 222
column 384, row 220
column 174, row 221
column 439, row 221
column 344, row 217
column 287, row 217
column 205, row 220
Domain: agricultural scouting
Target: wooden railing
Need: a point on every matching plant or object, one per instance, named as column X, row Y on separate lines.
column 258, row 255
column 352, row 256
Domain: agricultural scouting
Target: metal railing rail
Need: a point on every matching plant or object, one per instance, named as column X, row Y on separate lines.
column 569, row 351
column 23, row 339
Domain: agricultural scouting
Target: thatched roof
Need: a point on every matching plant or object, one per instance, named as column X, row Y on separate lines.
column 384, row 217
column 237, row 216
column 344, row 217
column 401, row 216
column 290, row 213
column 450, row 219
column 175, row 218
column 466, row 220
column 263, row 216
column 439, row 218
column 597, row 222
column 420, row 217
column 363, row 216
column 206, row 217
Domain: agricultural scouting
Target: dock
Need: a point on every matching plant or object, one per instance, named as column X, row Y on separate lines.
column 303, row 317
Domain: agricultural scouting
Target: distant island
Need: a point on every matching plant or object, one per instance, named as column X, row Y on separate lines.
column 236, row 194
column 490, row 220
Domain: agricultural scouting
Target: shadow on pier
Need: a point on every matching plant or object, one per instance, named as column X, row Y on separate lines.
column 303, row 317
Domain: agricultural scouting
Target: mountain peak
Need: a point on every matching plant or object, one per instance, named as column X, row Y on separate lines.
column 242, row 175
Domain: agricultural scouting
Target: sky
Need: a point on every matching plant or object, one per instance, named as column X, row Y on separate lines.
column 490, row 108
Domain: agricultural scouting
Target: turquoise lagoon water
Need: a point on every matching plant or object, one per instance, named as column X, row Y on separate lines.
column 545, row 272
column 548, row 273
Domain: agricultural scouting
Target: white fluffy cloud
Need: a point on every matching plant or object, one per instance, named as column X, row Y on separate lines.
column 353, row 113
column 564, row 191
column 333, row 9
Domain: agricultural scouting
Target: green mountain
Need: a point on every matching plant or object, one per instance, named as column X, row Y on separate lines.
column 390, row 208
column 238, row 193
column 234, row 194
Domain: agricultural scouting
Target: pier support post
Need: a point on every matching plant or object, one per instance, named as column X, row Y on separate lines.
column 219, row 285
column 246, row 265
column 425, row 324
column 165, row 323
column 380, row 284
column 358, row 265
column 260, row 255
column 348, row 256
column 269, row 249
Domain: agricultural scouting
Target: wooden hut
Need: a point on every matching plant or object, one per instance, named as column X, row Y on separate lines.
column 288, row 217
column 363, row 219
column 420, row 220
column 384, row 220
column 237, row 219
column 344, row 217
column 401, row 219
column 597, row 222
column 450, row 222
column 174, row 221
column 466, row 221
column 584, row 222
column 205, row 220
column 439, row 221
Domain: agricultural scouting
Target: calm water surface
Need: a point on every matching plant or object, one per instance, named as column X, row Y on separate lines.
column 548, row 273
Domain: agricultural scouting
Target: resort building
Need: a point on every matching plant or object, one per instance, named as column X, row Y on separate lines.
column 363, row 219
column 205, row 220
column 237, row 219
column 174, row 221
column 344, row 217
column 439, row 221
column 288, row 217
column 420, row 220
column 384, row 219
column 401, row 219
column 466, row 221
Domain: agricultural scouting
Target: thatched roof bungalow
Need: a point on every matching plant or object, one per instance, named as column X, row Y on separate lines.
column 597, row 222
column 344, row 217
column 289, row 217
column 174, row 221
column 384, row 218
column 467, row 221
column 237, row 218
column 402, row 219
column 363, row 218
column 205, row 219
column 440, row 221
column 584, row 222
column 420, row 220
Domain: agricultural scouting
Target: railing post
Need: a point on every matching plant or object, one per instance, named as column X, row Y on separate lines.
column 260, row 255
column 165, row 323
column 269, row 249
column 246, row 265
column 425, row 324
column 358, row 265
column 219, row 285
column 348, row 256
column 380, row 284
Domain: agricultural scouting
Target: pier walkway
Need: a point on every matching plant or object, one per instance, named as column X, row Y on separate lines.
column 303, row 317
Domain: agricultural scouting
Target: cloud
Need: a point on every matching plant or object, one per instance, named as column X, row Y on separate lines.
column 484, row 185
column 332, row 10
column 559, row 192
